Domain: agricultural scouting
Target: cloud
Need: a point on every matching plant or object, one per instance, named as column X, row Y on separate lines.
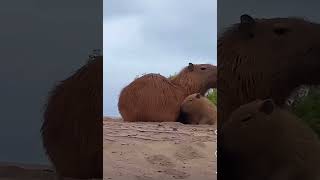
column 161, row 27
column 115, row 8
column 122, row 35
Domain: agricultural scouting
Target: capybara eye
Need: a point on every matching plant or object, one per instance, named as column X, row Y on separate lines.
column 203, row 68
column 281, row 31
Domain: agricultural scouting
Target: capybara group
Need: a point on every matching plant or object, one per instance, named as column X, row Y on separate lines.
column 155, row 98
column 266, row 58
column 198, row 109
column 72, row 127
column 264, row 141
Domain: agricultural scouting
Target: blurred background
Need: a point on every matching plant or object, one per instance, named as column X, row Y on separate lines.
column 42, row 43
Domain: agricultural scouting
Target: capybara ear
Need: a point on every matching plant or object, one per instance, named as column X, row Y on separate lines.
column 198, row 95
column 190, row 67
column 246, row 19
column 267, row 106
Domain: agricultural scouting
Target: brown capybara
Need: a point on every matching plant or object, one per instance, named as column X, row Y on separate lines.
column 72, row 127
column 266, row 58
column 198, row 109
column 264, row 141
column 155, row 98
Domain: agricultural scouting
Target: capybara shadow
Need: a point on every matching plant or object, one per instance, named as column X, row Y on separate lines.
column 155, row 98
column 198, row 109
column 266, row 58
column 72, row 127
column 262, row 141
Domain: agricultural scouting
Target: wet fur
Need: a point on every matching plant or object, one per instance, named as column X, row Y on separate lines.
column 156, row 98
column 72, row 127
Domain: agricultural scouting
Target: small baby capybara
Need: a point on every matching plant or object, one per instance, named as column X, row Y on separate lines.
column 72, row 127
column 262, row 141
column 155, row 98
column 198, row 109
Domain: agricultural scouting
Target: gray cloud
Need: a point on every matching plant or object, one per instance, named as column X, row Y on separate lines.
column 116, row 8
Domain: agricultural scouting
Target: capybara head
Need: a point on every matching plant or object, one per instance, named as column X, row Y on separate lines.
column 266, row 58
column 197, row 76
column 262, row 137
column 279, row 42
column 188, row 103
column 246, row 123
column 286, row 46
column 197, row 109
column 260, row 122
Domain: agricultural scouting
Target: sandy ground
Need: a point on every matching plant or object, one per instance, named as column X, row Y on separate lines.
column 158, row 151
column 143, row 151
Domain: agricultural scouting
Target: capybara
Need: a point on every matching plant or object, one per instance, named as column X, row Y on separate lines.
column 264, row 141
column 72, row 127
column 198, row 109
column 265, row 58
column 155, row 98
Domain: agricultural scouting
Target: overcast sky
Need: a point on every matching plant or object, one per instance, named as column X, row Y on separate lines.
column 42, row 42
column 160, row 36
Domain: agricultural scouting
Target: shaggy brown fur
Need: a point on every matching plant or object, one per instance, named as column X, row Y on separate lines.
column 153, row 97
column 266, row 58
column 72, row 127
column 267, row 142
column 197, row 109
